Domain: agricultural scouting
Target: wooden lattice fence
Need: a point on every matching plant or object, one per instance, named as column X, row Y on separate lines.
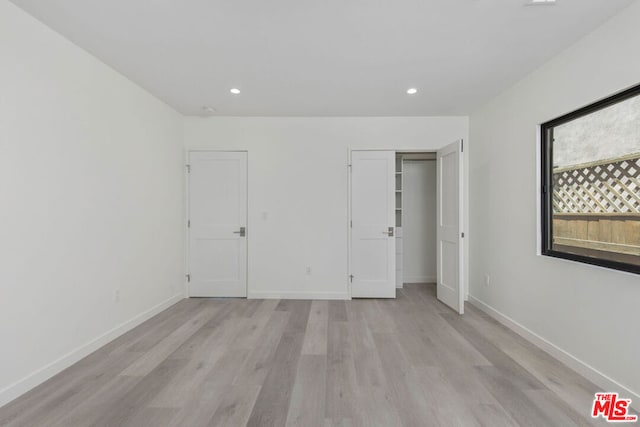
column 608, row 186
column 597, row 209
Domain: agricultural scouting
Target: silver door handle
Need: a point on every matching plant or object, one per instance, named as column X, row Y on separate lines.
column 242, row 232
column 389, row 232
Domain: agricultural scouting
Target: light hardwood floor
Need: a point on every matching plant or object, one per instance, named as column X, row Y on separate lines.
column 404, row 362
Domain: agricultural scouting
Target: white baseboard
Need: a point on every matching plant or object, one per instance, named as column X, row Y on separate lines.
column 36, row 378
column 419, row 279
column 297, row 295
column 583, row 368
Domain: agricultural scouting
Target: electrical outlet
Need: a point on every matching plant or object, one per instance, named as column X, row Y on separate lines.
column 308, row 271
column 487, row 280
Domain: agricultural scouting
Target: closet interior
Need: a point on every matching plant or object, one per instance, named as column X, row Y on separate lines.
column 415, row 217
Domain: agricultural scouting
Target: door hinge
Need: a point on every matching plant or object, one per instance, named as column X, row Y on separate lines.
column 189, row 224
column 462, row 234
column 462, row 145
column 188, row 168
column 351, row 224
column 351, row 278
column 188, row 278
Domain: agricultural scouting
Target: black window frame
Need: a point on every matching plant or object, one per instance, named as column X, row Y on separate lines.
column 546, row 141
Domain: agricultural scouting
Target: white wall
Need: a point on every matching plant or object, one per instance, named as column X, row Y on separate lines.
column 419, row 221
column 298, row 176
column 91, row 196
column 590, row 312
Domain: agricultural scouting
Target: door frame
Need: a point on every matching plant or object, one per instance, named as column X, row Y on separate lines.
column 463, row 209
column 349, row 228
column 187, row 258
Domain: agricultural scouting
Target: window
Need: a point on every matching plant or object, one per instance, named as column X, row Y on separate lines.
column 591, row 183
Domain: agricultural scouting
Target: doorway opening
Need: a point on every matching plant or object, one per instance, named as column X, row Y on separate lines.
column 416, row 218
column 406, row 222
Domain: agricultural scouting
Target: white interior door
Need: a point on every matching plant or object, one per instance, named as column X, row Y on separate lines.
column 373, row 256
column 449, row 228
column 217, row 224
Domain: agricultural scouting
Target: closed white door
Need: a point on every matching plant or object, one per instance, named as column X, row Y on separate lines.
column 373, row 253
column 218, row 224
column 449, row 226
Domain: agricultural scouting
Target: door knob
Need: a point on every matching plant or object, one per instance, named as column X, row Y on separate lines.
column 242, row 232
column 389, row 232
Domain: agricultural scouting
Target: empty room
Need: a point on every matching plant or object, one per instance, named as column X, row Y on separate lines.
column 319, row 213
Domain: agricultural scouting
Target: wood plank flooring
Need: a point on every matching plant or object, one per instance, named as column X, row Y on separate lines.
column 404, row 362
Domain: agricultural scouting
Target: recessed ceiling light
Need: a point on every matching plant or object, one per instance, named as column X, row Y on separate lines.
column 207, row 109
column 235, row 91
column 540, row 2
column 412, row 91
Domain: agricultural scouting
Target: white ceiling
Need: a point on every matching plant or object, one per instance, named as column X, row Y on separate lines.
column 323, row 57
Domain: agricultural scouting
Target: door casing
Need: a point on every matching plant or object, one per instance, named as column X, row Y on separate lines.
column 463, row 215
column 187, row 255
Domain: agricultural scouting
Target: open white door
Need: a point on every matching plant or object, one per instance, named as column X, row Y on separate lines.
column 449, row 229
column 217, row 224
column 373, row 253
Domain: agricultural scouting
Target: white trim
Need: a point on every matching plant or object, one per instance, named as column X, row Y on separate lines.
column 187, row 172
column 581, row 367
column 419, row 279
column 349, row 219
column 187, row 233
column 298, row 295
column 36, row 378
